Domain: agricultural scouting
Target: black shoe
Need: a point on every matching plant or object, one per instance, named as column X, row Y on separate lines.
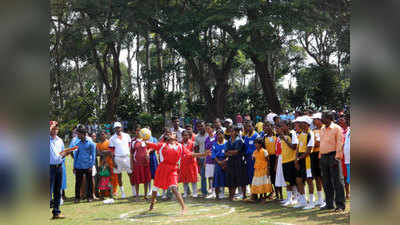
column 339, row 210
column 327, row 208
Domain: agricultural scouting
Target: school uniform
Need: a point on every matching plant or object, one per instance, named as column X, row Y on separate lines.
column 315, row 168
column 288, row 159
column 261, row 183
column 218, row 152
column 270, row 145
column 250, row 147
column 305, row 140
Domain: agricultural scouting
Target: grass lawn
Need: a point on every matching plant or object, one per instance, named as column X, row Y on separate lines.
column 199, row 211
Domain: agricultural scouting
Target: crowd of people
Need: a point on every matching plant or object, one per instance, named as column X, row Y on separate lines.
column 253, row 161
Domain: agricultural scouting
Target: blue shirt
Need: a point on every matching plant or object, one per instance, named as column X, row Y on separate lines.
column 56, row 146
column 249, row 143
column 218, row 151
column 85, row 156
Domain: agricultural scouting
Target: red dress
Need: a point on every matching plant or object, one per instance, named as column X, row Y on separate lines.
column 167, row 170
column 141, row 166
column 188, row 170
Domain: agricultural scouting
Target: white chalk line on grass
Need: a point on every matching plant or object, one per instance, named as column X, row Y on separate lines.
column 275, row 223
column 139, row 218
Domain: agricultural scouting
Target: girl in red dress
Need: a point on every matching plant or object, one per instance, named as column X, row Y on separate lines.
column 188, row 169
column 170, row 153
column 141, row 166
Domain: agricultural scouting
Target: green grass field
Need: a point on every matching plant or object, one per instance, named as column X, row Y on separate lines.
column 200, row 211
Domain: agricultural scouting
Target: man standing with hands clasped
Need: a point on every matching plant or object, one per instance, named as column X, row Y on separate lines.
column 331, row 154
column 56, row 160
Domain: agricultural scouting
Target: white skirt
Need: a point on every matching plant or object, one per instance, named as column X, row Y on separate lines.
column 209, row 170
column 280, row 179
column 123, row 163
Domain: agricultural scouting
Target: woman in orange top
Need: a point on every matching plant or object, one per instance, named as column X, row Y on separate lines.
column 105, row 151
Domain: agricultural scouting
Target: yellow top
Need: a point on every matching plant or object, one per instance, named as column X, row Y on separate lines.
column 302, row 142
column 259, row 126
column 288, row 154
column 260, row 161
column 317, row 138
column 270, row 144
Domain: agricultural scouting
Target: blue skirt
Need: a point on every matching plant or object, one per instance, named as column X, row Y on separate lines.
column 250, row 167
column 153, row 164
column 219, row 176
column 64, row 177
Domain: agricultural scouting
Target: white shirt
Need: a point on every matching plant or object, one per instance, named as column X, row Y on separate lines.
column 178, row 133
column 293, row 134
column 346, row 147
column 121, row 145
column 56, row 146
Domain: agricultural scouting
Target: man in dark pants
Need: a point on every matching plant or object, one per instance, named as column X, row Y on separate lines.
column 56, row 160
column 331, row 153
column 84, row 159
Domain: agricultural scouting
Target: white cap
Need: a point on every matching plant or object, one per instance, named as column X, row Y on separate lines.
column 317, row 115
column 117, row 124
column 304, row 119
column 229, row 120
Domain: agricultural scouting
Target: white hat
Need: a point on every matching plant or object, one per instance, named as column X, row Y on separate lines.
column 117, row 124
column 228, row 120
column 317, row 115
column 304, row 119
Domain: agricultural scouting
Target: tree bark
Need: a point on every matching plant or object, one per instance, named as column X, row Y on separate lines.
column 138, row 79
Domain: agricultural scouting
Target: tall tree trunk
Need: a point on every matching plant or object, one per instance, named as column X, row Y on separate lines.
column 268, row 85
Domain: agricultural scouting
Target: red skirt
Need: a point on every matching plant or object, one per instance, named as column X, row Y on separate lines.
column 141, row 174
column 166, row 176
column 188, row 171
column 344, row 169
column 105, row 183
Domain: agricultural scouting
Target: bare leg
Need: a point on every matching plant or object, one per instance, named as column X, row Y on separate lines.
column 347, row 187
column 120, row 179
column 300, row 185
column 146, row 186
column 153, row 200
column 179, row 198
column 94, row 188
column 137, row 191
column 217, row 189
column 244, row 192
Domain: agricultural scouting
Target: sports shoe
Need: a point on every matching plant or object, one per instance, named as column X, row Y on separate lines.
column 284, row 201
column 61, row 201
column 164, row 197
column 212, row 195
column 58, row 216
column 195, row 195
column 300, row 204
column 184, row 195
column 108, row 201
column 323, row 204
column 288, row 203
column 320, row 202
column 309, row 206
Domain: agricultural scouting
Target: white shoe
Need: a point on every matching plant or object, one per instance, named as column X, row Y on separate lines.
column 284, row 201
column 123, row 195
column 164, row 197
column 61, row 201
column 108, row 201
column 320, row 202
column 300, row 205
column 212, row 195
column 323, row 204
column 195, row 195
column 184, row 195
column 222, row 196
column 287, row 203
column 309, row 206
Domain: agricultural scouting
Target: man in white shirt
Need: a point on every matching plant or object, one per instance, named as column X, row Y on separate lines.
column 120, row 142
column 176, row 129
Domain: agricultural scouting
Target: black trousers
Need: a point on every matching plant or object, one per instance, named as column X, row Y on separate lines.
column 55, row 187
column 271, row 165
column 78, row 182
column 333, row 183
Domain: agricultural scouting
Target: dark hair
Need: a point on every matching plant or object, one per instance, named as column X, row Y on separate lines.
column 328, row 114
column 219, row 131
column 237, row 128
column 138, row 126
column 82, row 129
column 185, row 131
column 200, row 122
column 260, row 141
column 210, row 125
column 188, row 125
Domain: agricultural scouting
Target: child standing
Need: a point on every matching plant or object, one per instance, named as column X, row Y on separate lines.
column 261, row 183
column 218, row 154
column 105, row 182
column 279, row 179
column 188, row 169
column 210, row 163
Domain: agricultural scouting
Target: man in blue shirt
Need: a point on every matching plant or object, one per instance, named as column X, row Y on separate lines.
column 84, row 159
column 56, row 161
